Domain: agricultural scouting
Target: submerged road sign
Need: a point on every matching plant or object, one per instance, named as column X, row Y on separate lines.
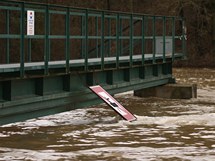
column 108, row 99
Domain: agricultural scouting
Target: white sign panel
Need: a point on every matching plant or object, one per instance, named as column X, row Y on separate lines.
column 30, row 22
column 159, row 45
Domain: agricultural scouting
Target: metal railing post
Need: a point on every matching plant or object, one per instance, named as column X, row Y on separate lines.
column 86, row 40
column 29, row 49
column 102, row 39
column 164, row 39
column 97, row 40
column 143, row 40
column 7, row 40
column 173, row 38
column 22, row 40
column 67, row 38
column 47, row 41
column 82, row 34
column 131, row 41
column 109, row 40
column 117, row 40
column 154, row 38
column 120, row 37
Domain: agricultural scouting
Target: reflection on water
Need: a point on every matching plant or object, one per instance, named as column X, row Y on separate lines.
column 165, row 129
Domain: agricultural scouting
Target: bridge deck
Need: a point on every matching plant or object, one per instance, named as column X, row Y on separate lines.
column 4, row 68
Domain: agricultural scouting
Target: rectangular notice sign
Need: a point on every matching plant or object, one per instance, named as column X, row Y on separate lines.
column 108, row 99
column 30, row 22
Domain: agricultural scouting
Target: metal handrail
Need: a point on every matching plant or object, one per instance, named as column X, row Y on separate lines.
column 84, row 15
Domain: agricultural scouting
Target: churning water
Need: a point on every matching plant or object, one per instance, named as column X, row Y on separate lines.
column 165, row 129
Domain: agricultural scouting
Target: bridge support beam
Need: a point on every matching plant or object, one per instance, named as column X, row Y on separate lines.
column 169, row 91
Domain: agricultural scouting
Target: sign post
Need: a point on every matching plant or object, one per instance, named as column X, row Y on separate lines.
column 30, row 22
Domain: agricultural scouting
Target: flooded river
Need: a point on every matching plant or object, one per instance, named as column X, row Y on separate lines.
column 165, row 129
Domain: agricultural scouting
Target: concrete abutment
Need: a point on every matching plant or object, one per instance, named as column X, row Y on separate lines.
column 169, row 91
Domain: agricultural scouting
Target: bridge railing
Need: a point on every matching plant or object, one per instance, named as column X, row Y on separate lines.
column 64, row 33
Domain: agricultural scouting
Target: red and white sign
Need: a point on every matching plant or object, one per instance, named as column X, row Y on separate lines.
column 107, row 98
column 30, row 22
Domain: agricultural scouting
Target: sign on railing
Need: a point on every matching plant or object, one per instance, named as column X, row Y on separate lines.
column 30, row 22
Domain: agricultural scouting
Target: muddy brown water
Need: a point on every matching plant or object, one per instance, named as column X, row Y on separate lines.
column 165, row 129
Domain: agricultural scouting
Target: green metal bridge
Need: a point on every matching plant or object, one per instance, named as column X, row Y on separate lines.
column 49, row 71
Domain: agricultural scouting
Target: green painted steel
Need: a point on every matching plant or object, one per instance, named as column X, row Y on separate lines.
column 118, row 41
column 173, row 38
column 102, row 39
column 131, row 49
column 8, row 32
column 164, row 39
column 67, row 39
column 109, row 40
column 22, row 39
column 120, row 35
column 114, row 49
column 86, row 40
column 47, row 41
column 97, row 32
column 143, row 40
column 154, row 38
